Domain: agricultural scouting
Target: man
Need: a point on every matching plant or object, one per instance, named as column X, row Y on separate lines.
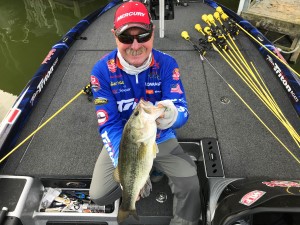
column 119, row 80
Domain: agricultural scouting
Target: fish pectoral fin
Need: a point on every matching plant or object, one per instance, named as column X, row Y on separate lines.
column 116, row 175
column 155, row 150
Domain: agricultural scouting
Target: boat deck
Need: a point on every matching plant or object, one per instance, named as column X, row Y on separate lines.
column 69, row 145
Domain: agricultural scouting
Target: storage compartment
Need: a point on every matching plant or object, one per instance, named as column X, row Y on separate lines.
column 71, row 200
column 73, row 206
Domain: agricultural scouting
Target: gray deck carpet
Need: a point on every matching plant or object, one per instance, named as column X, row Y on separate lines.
column 69, row 145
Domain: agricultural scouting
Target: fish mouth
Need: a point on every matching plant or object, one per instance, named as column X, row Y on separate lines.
column 149, row 109
column 146, row 106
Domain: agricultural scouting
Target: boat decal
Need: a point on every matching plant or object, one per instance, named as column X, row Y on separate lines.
column 13, row 115
column 251, row 197
column 282, row 78
column 43, row 81
column 281, row 183
column 48, row 57
column 60, row 45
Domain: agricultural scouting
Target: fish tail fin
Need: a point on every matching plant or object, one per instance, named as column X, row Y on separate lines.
column 134, row 214
column 123, row 214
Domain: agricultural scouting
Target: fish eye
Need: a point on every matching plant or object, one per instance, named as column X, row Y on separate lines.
column 136, row 113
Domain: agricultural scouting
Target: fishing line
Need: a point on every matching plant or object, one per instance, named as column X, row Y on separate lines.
column 84, row 91
column 185, row 35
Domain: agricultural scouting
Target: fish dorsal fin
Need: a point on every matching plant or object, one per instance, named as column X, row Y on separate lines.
column 117, row 175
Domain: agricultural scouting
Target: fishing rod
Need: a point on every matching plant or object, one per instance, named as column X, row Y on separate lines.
column 186, row 36
column 262, row 91
column 85, row 90
column 237, row 61
column 210, row 38
column 226, row 17
column 269, row 102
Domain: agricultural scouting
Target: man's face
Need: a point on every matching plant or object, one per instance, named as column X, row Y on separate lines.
column 136, row 53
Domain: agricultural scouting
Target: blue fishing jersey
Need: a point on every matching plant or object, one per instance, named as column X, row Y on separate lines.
column 117, row 93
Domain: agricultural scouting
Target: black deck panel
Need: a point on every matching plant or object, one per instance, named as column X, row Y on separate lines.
column 69, row 145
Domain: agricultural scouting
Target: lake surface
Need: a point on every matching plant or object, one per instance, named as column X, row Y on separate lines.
column 28, row 30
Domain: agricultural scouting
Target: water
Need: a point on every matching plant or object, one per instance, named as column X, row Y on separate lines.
column 28, row 30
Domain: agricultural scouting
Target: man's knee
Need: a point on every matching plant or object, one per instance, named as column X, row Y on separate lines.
column 186, row 184
column 101, row 197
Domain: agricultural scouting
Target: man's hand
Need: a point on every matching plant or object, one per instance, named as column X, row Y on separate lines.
column 145, row 191
column 169, row 116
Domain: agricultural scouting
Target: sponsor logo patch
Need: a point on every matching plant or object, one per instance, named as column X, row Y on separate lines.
column 152, row 84
column 120, row 82
column 115, row 76
column 251, row 197
column 100, row 101
column 117, row 91
column 95, row 84
column 156, row 65
column 176, row 74
column 129, row 14
column 108, row 145
column 175, row 88
column 149, row 92
column 126, row 104
column 111, row 64
column 102, row 116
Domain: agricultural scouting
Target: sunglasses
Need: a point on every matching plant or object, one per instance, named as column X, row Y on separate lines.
column 141, row 38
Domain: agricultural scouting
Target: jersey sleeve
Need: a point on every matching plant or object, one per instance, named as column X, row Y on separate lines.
column 110, row 124
column 172, row 89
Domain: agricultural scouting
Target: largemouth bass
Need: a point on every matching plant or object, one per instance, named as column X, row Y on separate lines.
column 137, row 151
